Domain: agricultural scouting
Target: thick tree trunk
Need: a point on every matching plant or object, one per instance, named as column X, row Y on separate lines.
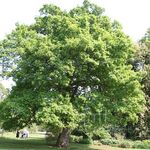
column 63, row 138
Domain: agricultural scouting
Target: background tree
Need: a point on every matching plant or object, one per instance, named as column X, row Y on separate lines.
column 67, row 67
column 142, row 58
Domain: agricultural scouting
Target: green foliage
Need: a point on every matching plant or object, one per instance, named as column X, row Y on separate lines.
column 18, row 110
column 125, row 144
column 142, row 144
column 101, row 134
column 87, row 8
column 142, row 56
column 76, row 139
column 117, row 143
column 69, row 67
column 86, row 141
column 109, row 141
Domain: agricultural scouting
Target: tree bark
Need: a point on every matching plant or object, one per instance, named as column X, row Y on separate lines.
column 63, row 138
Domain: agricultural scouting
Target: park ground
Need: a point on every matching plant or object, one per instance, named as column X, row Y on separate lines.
column 37, row 142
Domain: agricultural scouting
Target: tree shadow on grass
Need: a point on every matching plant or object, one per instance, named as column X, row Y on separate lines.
column 8, row 143
column 36, row 144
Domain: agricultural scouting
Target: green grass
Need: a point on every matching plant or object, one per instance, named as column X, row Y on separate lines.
column 21, row 144
column 37, row 142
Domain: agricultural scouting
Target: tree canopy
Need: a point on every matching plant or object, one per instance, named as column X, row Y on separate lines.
column 68, row 66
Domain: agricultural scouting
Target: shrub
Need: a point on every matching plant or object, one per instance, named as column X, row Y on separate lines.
column 146, row 142
column 76, row 139
column 101, row 134
column 142, row 144
column 109, row 141
column 125, row 144
column 86, row 141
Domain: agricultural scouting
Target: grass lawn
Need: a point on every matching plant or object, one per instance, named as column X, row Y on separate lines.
column 36, row 142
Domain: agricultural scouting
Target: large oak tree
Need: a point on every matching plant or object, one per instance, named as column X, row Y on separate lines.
column 68, row 66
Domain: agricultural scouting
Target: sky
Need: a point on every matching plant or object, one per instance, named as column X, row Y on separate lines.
column 134, row 15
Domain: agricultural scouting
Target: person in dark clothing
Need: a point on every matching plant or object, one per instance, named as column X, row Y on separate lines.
column 17, row 134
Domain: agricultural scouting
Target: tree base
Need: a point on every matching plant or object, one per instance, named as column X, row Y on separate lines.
column 63, row 138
